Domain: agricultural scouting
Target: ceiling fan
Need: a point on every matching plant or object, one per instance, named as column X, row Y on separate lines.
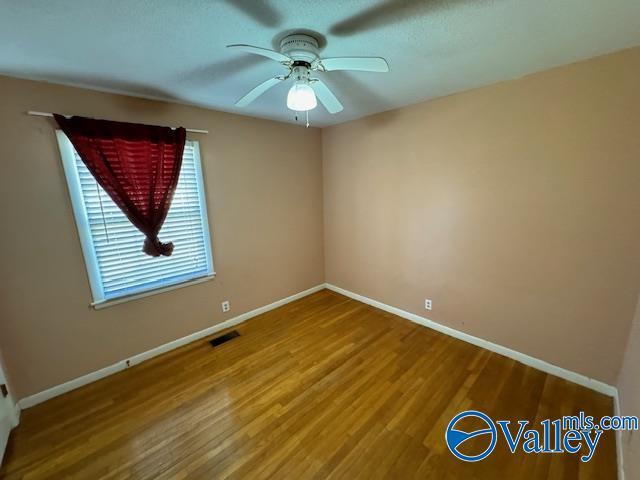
column 299, row 53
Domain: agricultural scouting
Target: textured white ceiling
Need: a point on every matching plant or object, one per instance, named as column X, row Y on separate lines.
column 175, row 49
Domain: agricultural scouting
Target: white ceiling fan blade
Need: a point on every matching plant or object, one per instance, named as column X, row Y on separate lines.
column 326, row 96
column 257, row 91
column 364, row 64
column 265, row 52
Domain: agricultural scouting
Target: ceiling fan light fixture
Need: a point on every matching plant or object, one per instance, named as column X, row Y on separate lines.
column 300, row 54
column 301, row 97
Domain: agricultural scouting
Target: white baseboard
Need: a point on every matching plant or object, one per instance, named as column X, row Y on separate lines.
column 52, row 392
column 536, row 363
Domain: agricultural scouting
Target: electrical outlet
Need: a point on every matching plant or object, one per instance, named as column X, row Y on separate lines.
column 427, row 303
column 226, row 306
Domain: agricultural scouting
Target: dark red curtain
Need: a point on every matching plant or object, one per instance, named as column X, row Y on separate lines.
column 137, row 165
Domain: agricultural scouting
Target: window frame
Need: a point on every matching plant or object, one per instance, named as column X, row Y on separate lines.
column 67, row 154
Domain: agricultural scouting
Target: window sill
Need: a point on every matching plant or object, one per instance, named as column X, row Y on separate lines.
column 128, row 298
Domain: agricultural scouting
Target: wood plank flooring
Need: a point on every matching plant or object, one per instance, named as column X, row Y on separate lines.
column 324, row 387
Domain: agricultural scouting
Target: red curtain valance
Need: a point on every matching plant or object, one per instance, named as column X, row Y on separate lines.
column 137, row 165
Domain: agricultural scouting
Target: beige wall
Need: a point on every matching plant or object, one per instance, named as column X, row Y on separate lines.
column 629, row 390
column 515, row 207
column 264, row 197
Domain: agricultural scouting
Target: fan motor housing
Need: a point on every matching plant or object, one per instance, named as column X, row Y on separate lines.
column 303, row 48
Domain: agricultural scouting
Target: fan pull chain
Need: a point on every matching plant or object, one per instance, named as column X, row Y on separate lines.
column 307, row 124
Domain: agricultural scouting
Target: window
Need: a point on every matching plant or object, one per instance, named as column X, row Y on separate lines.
column 112, row 246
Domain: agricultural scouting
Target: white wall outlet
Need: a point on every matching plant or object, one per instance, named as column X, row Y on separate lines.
column 427, row 303
column 226, row 306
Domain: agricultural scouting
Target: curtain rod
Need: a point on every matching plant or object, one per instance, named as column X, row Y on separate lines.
column 49, row 114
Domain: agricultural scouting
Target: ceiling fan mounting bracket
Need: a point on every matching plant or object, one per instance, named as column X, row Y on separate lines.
column 300, row 47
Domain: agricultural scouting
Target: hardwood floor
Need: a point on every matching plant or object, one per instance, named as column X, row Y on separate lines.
column 324, row 387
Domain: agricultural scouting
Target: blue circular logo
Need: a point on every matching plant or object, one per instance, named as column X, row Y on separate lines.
column 455, row 438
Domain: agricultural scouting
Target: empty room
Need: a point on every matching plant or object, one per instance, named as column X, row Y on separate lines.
column 286, row 239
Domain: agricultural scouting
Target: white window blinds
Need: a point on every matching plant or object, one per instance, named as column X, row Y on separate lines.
column 112, row 246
